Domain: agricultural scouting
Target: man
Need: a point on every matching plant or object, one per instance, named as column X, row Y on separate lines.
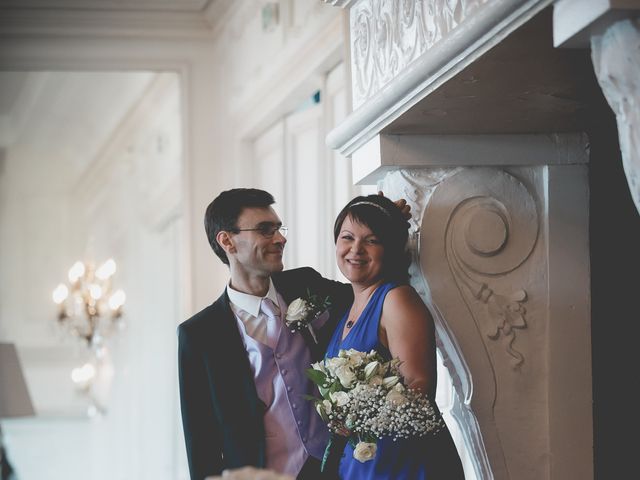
column 242, row 380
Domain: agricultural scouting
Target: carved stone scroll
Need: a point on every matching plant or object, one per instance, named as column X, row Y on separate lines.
column 491, row 234
column 478, row 232
column 417, row 186
column 616, row 60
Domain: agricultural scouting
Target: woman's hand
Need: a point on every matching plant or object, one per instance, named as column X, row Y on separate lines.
column 340, row 429
column 402, row 205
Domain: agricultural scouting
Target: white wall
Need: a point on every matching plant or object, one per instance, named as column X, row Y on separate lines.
column 126, row 206
column 233, row 87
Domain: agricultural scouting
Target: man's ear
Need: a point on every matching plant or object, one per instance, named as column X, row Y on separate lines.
column 226, row 242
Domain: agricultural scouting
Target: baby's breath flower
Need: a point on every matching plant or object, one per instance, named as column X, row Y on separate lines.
column 365, row 396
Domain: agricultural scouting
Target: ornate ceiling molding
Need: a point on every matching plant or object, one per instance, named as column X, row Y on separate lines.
column 135, row 18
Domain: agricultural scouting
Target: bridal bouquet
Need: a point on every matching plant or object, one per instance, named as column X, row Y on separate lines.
column 364, row 398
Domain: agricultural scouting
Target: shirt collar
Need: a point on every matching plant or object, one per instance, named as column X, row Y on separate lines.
column 251, row 303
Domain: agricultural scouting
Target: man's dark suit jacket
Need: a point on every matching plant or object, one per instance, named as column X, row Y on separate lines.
column 222, row 415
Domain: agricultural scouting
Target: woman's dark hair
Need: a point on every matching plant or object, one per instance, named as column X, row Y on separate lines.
column 387, row 222
column 223, row 212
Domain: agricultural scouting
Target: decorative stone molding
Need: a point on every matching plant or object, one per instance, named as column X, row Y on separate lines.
column 479, row 226
column 388, row 35
column 500, row 231
column 421, row 63
column 387, row 153
column 575, row 21
column 482, row 224
column 612, row 30
column 489, row 234
column 339, row 3
column 492, row 260
column 616, row 60
column 417, row 186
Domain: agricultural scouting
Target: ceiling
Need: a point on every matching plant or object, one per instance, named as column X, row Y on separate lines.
column 160, row 18
column 173, row 5
column 54, row 124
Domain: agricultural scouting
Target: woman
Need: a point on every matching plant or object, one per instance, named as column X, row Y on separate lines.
column 387, row 315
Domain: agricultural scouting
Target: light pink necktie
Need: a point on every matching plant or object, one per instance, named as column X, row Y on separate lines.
column 272, row 313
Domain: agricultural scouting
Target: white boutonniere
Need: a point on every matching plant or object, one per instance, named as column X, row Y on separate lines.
column 303, row 311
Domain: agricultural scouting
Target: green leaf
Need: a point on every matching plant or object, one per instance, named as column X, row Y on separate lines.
column 316, row 376
column 327, row 450
column 336, row 386
column 367, row 437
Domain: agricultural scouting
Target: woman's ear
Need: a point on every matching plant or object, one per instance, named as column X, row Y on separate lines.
column 226, row 242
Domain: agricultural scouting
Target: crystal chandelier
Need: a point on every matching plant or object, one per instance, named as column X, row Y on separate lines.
column 90, row 309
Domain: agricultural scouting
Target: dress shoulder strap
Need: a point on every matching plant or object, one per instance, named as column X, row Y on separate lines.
column 375, row 312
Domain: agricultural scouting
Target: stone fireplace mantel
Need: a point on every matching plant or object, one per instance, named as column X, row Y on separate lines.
column 472, row 112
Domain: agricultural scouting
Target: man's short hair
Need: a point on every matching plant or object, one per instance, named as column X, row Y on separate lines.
column 222, row 214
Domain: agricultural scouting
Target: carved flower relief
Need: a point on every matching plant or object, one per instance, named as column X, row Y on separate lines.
column 490, row 234
column 388, row 35
column 386, row 56
column 410, row 32
column 507, row 312
column 361, row 56
column 429, row 20
column 361, row 34
column 407, row 13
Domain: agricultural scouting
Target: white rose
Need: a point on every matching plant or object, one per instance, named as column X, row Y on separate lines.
column 327, row 406
column 356, row 358
column 332, row 364
column 375, row 381
column 391, row 381
column 345, row 375
column 339, row 398
column 364, row 451
column 297, row 310
column 319, row 366
column 396, row 398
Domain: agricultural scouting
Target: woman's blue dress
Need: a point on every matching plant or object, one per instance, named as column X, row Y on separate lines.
column 432, row 457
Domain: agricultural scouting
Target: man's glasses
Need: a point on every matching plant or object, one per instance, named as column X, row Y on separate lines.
column 267, row 230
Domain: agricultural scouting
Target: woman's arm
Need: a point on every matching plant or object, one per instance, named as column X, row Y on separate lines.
column 407, row 330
